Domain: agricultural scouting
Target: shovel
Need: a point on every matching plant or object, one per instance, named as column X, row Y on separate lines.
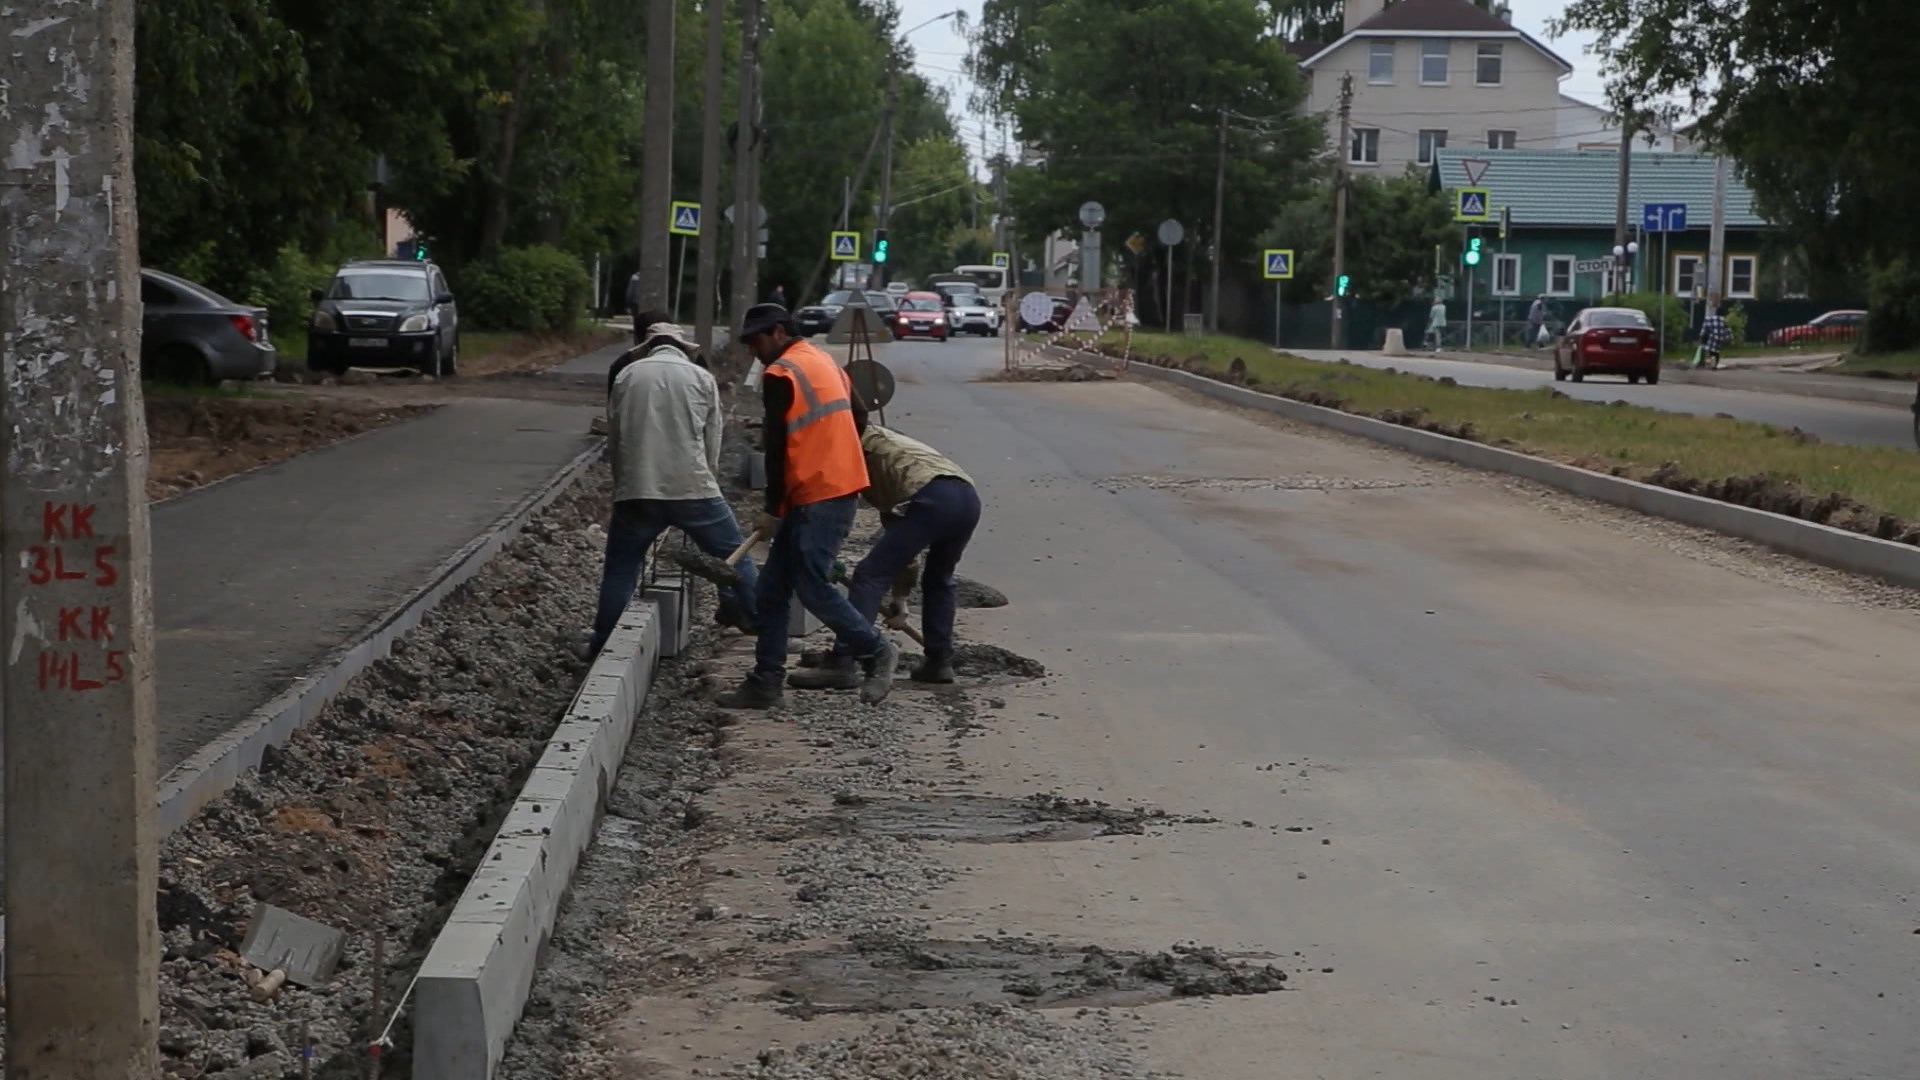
column 719, row 571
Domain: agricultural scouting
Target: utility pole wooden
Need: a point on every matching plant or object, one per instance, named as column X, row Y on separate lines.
column 1219, row 212
column 884, row 271
column 746, row 231
column 1616, row 274
column 1343, row 152
column 82, row 941
column 712, row 137
column 656, row 169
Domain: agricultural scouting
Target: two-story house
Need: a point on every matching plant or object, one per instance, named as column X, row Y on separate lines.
column 1428, row 74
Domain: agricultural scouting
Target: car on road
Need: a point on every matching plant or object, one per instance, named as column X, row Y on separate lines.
column 969, row 313
column 1608, row 341
column 1833, row 328
column 922, row 314
column 385, row 313
column 191, row 334
column 819, row 318
column 898, row 289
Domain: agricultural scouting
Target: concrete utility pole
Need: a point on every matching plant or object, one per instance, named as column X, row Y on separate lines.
column 882, row 272
column 712, row 136
column 1717, row 237
column 1219, row 237
column 656, row 172
column 1617, row 273
column 82, row 941
column 746, row 231
column 1344, row 151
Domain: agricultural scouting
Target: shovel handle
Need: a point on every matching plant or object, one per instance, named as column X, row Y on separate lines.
column 740, row 552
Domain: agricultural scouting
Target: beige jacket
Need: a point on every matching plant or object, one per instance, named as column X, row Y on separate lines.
column 898, row 467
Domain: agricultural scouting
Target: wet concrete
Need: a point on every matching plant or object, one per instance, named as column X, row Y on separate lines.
column 987, row 820
column 887, row 973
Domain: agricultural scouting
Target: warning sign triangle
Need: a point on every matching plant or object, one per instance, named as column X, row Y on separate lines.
column 686, row 218
column 1277, row 265
column 1083, row 320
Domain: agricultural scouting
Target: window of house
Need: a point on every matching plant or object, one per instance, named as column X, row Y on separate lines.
column 1431, row 143
column 1433, row 62
column 1365, row 149
column 1506, row 275
column 1741, row 275
column 1486, row 64
column 1502, row 140
column 1688, row 274
column 1380, row 63
column 1559, row 275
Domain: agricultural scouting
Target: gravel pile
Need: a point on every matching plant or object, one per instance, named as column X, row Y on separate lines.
column 980, row 1043
column 372, row 818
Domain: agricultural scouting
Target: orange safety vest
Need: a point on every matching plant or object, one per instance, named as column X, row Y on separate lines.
column 824, row 459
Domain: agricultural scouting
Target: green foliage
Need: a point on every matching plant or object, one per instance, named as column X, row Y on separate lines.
column 1393, row 225
column 285, row 286
column 1737, row 324
column 1893, row 296
column 527, row 290
column 1650, row 303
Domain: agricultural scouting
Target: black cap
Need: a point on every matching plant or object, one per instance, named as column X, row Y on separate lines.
column 762, row 318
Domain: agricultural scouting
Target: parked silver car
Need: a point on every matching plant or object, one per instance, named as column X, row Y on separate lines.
column 189, row 333
column 971, row 314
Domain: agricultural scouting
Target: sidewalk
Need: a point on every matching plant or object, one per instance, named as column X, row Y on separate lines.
column 1805, row 384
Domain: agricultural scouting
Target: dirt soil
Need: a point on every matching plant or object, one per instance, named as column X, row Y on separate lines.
column 195, row 441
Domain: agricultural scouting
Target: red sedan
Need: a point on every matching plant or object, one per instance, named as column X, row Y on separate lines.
column 922, row 314
column 1608, row 341
column 1833, row 328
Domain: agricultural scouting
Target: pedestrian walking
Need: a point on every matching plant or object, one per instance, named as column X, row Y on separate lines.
column 1715, row 335
column 927, row 504
column 1436, row 324
column 664, row 426
column 633, row 307
column 815, row 473
column 1537, row 320
column 779, row 295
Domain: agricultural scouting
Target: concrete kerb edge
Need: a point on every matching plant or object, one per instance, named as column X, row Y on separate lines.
column 1837, row 548
column 1893, row 393
column 215, row 767
column 478, row 974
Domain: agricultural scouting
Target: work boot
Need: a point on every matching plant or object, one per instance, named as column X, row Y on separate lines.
column 880, row 670
column 756, row 691
column 936, row 668
column 837, row 673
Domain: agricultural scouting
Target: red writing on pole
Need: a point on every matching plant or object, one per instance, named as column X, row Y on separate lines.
column 66, row 554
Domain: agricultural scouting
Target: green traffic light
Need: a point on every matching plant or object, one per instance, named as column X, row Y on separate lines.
column 1340, row 287
column 1472, row 255
column 880, row 251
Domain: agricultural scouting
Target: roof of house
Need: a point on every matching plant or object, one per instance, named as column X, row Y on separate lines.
column 1448, row 17
column 1581, row 187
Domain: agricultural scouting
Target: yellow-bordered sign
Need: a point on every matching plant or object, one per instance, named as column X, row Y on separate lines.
column 846, row 246
column 1472, row 204
column 1277, row 264
column 685, row 220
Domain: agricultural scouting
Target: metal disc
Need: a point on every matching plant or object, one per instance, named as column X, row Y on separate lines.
column 872, row 381
column 1172, row 232
column 1092, row 214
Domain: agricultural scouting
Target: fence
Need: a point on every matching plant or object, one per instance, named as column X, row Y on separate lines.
column 1075, row 318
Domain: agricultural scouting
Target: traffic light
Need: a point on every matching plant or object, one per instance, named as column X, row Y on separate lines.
column 1341, row 284
column 879, row 245
column 1472, row 255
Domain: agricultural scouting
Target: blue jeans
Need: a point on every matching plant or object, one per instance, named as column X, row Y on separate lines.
column 637, row 523
column 799, row 564
column 939, row 520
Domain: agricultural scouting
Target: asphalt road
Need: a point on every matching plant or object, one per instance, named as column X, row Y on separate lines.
column 1834, row 421
column 1655, row 792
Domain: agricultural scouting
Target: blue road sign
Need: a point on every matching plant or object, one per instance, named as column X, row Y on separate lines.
column 686, row 219
column 1664, row 217
column 1279, row 264
column 846, row 246
column 1472, row 204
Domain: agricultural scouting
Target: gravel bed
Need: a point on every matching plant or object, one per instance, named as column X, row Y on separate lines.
column 979, row 1043
column 373, row 817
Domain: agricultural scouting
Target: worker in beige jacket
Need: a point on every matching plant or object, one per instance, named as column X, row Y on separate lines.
column 927, row 504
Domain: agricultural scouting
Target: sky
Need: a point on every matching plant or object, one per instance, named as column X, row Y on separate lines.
column 941, row 54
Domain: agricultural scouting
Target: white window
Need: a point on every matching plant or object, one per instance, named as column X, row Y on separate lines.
column 1688, row 274
column 1506, row 275
column 1559, row 275
column 1486, row 66
column 1502, row 140
column 1433, row 62
column 1431, row 143
column 1741, row 272
column 1380, row 63
column 1365, row 149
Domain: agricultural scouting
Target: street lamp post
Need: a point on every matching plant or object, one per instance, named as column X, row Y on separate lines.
column 883, row 271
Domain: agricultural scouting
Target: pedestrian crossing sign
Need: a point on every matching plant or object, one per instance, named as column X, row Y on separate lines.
column 1002, row 260
column 1279, row 264
column 686, row 219
column 1472, row 204
column 846, row 246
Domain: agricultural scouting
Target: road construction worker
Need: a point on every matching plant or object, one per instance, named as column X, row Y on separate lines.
column 927, row 504
column 664, row 423
column 815, row 473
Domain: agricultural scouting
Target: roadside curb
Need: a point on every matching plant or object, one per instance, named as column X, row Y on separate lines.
column 214, row 768
column 1869, row 391
column 474, row 984
column 1823, row 544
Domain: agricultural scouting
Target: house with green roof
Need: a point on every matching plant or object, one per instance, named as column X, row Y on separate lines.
column 1562, row 206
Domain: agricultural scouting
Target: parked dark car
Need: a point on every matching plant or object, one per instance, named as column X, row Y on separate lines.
column 189, row 333
column 819, row 318
column 385, row 313
column 1608, row 341
column 1833, row 328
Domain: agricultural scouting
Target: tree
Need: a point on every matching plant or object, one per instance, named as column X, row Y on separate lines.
column 1393, row 226
column 1813, row 101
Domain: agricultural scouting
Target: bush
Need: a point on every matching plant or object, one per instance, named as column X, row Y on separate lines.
column 1649, row 304
column 1737, row 324
column 284, row 288
column 525, row 290
column 1893, row 305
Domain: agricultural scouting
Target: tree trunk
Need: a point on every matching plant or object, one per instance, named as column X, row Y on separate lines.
column 493, row 222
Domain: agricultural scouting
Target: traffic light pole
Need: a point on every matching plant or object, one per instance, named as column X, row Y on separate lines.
column 886, row 161
column 1341, row 153
column 1473, row 270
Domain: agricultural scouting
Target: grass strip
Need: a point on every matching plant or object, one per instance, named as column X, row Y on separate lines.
column 1874, row 490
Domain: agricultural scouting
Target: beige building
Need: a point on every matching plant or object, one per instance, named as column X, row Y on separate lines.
column 1429, row 74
